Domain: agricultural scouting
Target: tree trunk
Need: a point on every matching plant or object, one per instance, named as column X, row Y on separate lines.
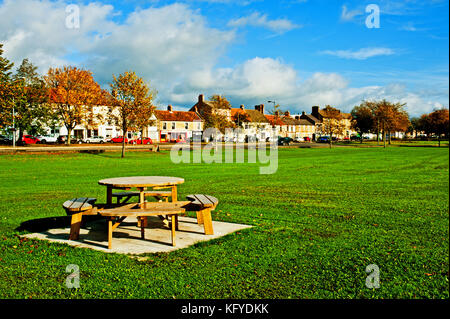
column 384, row 136
column 389, row 132
column 19, row 138
column 378, row 132
column 123, row 145
column 142, row 136
column 69, row 134
column 331, row 139
column 439, row 140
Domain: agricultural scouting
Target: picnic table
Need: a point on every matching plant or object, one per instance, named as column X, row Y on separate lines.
column 117, row 212
column 142, row 183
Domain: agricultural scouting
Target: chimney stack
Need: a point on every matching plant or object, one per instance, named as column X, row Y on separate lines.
column 260, row 108
column 169, row 108
column 200, row 98
column 242, row 106
column 297, row 117
column 287, row 113
column 315, row 110
column 277, row 113
column 303, row 113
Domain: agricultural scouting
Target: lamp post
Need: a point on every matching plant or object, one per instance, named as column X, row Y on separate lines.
column 274, row 126
column 274, row 103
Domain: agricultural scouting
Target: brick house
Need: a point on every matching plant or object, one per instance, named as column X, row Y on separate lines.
column 253, row 122
column 202, row 107
column 277, row 123
column 317, row 116
column 178, row 125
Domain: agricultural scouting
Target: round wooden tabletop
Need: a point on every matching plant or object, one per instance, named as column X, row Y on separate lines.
column 141, row 181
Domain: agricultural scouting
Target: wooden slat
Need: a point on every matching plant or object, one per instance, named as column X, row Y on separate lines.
column 146, row 193
column 146, row 209
column 203, row 200
column 137, row 213
column 123, row 194
column 79, row 204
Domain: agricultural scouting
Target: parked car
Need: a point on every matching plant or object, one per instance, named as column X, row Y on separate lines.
column 4, row 139
column 30, row 139
column 307, row 139
column 119, row 139
column 94, row 139
column 284, row 140
column 271, row 139
column 51, row 138
column 73, row 140
column 147, row 140
column 323, row 139
column 355, row 138
column 251, row 139
column 346, row 138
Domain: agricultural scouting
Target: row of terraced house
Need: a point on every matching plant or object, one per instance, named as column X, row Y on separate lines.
column 170, row 125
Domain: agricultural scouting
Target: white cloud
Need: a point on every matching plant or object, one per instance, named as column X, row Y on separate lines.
column 174, row 47
column 361, row 54
column 261, row 79
column 257, row 19
column 163, row 44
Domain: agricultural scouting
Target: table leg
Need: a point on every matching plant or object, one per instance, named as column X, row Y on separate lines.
column 141, row 196
column 109, row 195
column 173, row 229
column 142, row 222
column 207, row 221
column 75, row 226
column 110, row 231
column 174, row 194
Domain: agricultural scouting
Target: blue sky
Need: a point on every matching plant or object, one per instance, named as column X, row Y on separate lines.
column 298, row 53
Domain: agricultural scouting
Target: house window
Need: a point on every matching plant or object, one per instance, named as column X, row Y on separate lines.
column 164, row 126
column 186, row 126
column 173, row 125
column 199, row 126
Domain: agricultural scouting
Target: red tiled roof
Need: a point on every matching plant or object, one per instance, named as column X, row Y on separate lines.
column 274, row 120
column 235, row 111
column 181, row 116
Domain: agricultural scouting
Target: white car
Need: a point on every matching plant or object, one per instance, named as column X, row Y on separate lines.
column 95, row 139
column 51, row 138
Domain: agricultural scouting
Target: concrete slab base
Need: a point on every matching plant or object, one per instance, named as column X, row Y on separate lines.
column 127, row 237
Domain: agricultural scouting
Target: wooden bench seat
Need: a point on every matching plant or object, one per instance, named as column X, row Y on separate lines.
column 77, row 207
column 203, row 205
column 117, row 215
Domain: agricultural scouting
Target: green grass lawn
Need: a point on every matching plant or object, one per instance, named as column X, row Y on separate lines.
column 318, row 222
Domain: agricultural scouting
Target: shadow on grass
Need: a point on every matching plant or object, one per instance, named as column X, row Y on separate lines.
column 43, row 224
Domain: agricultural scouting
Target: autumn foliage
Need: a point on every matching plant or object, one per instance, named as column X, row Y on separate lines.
column 72, row 93
column 131, row 101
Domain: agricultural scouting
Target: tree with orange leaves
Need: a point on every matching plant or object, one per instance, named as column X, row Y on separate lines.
column 141, row 118
column 131, row 99
column 72, row 93
column 332, row 122
column 390, row 117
